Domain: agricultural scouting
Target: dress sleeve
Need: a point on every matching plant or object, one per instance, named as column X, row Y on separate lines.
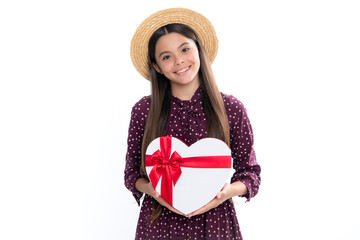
column 247, row 170
column 134, row 142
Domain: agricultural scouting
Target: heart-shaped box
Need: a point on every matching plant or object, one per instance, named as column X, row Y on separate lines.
column 188, row 177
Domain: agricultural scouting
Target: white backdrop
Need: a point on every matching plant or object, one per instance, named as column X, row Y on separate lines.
column 68, row 85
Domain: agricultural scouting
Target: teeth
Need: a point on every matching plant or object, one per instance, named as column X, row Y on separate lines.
column 181, row 71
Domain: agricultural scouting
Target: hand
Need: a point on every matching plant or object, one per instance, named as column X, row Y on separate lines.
column 222, row 196
column 152, row 192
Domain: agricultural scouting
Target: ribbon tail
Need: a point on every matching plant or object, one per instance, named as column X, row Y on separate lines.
column 175, row 174
column 155, row 175
column 166, row 187
column 175, row 167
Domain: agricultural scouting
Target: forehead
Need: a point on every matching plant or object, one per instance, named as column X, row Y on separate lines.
column 171, row 41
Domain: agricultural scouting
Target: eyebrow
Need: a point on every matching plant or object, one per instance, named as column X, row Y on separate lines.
column 178, row 48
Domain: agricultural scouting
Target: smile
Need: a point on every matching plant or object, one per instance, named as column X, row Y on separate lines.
column 183, row 70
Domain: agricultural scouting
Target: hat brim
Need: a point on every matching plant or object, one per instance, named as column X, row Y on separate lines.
column 200, row 24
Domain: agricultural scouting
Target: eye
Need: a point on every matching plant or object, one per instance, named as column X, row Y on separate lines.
column 186, row 49
column 166, row 57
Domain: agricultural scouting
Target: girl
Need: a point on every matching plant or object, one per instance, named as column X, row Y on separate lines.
column 174, row 49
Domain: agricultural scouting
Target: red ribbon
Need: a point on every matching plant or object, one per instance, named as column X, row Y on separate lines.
column 168, row 167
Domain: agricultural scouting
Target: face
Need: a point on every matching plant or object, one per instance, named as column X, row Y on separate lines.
column 177, row 57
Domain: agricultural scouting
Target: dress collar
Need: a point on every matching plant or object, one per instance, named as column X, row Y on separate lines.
column 195, row 98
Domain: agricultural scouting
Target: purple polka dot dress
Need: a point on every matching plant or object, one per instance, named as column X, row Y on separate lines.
column 187, row 122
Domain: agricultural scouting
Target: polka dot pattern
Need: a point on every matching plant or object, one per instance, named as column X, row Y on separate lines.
column 187, row 122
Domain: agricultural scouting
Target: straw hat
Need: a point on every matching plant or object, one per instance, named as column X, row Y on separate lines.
column 200, row 24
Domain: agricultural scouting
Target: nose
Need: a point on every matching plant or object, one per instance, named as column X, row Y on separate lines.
column 179, row 60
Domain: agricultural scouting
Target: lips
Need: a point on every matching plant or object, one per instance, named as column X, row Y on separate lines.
column 183, row 71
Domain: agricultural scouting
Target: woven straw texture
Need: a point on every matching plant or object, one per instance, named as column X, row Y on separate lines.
column 201, row 25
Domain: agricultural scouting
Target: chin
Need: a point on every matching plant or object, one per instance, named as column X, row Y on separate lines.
column 182, row 81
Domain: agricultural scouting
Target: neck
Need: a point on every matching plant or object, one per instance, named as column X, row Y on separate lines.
column 184, row 92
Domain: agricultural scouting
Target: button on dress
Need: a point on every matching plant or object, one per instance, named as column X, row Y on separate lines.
column 187, row 122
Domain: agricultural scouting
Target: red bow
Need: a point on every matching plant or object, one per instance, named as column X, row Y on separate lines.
column 168, row 167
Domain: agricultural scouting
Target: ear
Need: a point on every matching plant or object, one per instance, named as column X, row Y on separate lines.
column 157, row 68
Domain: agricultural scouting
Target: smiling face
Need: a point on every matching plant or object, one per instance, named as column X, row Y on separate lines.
column 177, row 57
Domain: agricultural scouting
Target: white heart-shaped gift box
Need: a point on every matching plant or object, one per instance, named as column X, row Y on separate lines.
column 191, row 175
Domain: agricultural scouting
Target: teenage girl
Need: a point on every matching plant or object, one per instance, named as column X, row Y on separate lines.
column 174, row 49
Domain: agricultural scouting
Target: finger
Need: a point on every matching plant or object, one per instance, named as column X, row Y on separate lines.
column 168, row 206
column 226, row 187
column 193, row 213
column 156, row 195
column 177, row 211
column 224, row 191
column 199, row 211
column 204, row 209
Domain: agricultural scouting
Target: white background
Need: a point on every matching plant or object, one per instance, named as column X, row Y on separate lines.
column 68, row 85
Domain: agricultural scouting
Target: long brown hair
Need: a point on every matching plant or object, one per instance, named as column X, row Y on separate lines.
column 160, row 106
